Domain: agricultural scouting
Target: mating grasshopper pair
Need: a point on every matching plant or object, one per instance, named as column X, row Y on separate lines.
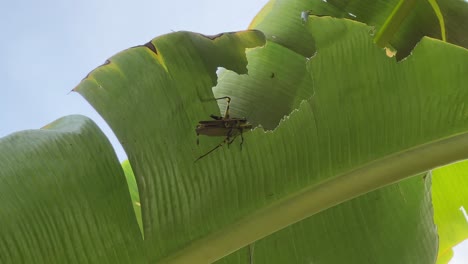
column 227, row 126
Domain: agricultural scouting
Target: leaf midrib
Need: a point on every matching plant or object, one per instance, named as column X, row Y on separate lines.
column 319, row 197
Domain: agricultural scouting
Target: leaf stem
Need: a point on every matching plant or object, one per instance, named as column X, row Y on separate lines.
column 440, row 17
column 393, row 22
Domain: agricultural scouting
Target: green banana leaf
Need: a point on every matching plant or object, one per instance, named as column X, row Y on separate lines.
column 420, row 21
column 370, row 122
column 280, row 20
column 172, row 74
column 379, row 227
column 345, row 122
column 450, row 200
column 64, row 198
column 248, row 97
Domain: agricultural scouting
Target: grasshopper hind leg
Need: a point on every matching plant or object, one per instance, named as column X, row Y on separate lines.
column 242, row 138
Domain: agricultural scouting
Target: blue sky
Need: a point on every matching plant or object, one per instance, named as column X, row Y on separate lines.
column 48, row 46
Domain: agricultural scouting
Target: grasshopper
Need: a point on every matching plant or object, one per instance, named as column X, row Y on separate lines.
column 226, row 126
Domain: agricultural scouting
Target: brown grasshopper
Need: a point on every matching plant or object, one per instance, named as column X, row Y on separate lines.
column 226, row 126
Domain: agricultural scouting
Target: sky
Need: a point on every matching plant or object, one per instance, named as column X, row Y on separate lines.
column 48, row 46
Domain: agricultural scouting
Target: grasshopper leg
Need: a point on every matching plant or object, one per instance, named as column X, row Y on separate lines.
column 242, row 138
column 216, row 117
column 232, row 140
column 226, row 114
column 228, row 137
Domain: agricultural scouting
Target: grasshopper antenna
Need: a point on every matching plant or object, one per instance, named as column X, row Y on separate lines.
column 215, row 148
column 218, row 146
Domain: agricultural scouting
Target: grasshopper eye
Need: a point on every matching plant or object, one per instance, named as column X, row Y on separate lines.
column 226, row 126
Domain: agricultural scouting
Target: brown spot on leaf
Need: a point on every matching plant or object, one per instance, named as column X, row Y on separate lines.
column 151, row 46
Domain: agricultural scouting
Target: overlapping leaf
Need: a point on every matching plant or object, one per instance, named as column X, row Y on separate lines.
column 281, row 21
column 64, row 198
column 450, row 204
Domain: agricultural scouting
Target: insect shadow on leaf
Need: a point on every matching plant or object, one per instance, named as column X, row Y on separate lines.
column 226, row 126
